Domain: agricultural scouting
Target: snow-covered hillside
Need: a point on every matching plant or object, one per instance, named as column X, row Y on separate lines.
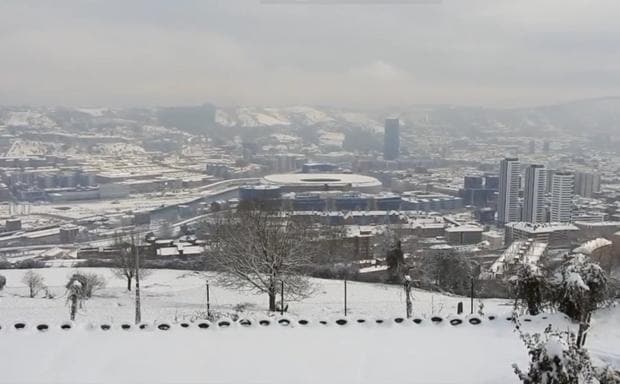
column 294, row 116
column 177, row 294
column 395, row 353
column 32, row 118
column 22, row 147
column 353, row 353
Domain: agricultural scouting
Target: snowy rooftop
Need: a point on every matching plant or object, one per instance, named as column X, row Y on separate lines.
column 542, row 228
column 464, row 228
column 592, row 245
column 320, row 179
column 527, row 252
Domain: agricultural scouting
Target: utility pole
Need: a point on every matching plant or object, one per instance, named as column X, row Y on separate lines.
column 208, row 300
column 137, row 273
column 345, row 296
column 472, row 295
column 282, row 298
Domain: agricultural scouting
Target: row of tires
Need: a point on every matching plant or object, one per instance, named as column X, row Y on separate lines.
column 266, row 322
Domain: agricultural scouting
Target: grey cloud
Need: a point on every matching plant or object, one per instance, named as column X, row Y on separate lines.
column 112, row 52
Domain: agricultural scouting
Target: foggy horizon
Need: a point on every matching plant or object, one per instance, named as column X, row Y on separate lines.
column 158, row 53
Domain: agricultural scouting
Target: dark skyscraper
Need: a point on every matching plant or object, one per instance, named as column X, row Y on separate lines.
column 391, row 144
column 472, row 182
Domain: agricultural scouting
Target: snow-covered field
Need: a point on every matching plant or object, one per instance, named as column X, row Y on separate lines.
column 276, row 354
column 170, row 294
column 355, row 353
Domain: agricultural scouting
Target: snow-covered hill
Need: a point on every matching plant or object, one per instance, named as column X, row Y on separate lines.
column 593, row 116
column 356, row 352
column 298, row 116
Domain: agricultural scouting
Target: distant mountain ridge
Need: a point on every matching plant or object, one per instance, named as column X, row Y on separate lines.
column 590, row 116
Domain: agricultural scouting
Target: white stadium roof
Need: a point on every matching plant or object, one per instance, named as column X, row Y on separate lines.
column 311, row 181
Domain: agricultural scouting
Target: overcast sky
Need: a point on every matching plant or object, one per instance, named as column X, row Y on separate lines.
column 240, row 52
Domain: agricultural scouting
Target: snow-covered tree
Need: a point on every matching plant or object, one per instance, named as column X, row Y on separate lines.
column 79, row 278
column 530, row 289
column 91, row 282
column 580, row 287
column 76, row 293
column 34, row 281
column 557, row 358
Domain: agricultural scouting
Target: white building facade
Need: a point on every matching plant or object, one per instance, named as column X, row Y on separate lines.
column 508, row 199
column 534, row 194
column 562, row 188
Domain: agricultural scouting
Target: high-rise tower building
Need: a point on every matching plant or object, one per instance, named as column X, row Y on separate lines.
column 587, row 184
column 391, row 144
column 562, row 188
column 508, row 197
column 534, row 194
column 472, row 182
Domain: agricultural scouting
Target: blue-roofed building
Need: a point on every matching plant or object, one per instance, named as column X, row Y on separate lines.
column 309, row 202
column 351, row 202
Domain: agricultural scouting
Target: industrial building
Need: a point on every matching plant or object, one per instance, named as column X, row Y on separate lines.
column 464, row 234
column 554, row 234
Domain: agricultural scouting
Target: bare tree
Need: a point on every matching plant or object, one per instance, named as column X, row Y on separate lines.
column 94, row 283
column 258, row 249
column 125, row 259
column 34, row 281
column 90, row 282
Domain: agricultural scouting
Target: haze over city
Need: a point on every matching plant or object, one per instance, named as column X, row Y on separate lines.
column 158, row 52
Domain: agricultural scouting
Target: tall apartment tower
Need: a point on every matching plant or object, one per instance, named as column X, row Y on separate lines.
column 391, row 143
column 587, row 184
column 562, row 188
column 534, row 194
column 508, row 197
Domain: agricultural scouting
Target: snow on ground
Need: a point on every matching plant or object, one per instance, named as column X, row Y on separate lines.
column 170, row 294
column 332, row 138
column 275, row 354
column 94, row 112
column 354, row 353
column 22, row 147
column 117, row 149
column 86, row 208
column 29, row 119
column 362, row 121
